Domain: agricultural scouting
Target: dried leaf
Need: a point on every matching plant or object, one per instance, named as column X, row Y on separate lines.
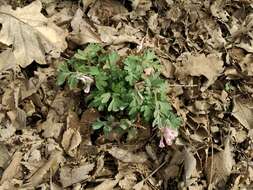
column 210, row 66
column 7, row 60
column 243, row 112
column 127, row 156
column 50, row 128
column 69, row 176
column 70, row 141
column 13, row 168
column 5, row 157
column 128, row 181
column 189, row 164
column 219, row 165
column 108, row 184
column 31, row 38
column 51, row 165
column 110, row 35
column 83, row 32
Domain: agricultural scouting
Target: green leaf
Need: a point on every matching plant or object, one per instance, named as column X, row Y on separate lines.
column 72, row 81
column 105, row 97
column 98, row 125
column 61, row 78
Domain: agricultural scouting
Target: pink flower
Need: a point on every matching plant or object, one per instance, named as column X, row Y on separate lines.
column 168, row 135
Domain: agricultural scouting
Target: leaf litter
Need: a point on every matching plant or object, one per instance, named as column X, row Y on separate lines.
column 46, row 138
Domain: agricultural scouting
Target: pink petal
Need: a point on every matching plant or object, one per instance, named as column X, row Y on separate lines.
column 161, row 144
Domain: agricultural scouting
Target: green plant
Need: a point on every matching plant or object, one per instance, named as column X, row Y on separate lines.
column 128, row 88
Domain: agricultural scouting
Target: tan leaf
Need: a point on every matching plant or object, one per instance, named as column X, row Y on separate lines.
column 127, row 156
column 50, row 128
column 82, row 31
column 111, row 35
column 189, row 164
column 210, row 66
column 13, row 167
column 50, row 166
column 109, row 184
column 70, row 141
column 69, row 176
column 30, row 33
column 219, row 165
column 243, row 112
column 5, row 157
column 7, row 60
column 128, row 181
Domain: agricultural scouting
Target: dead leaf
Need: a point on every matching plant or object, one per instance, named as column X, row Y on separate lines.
column 110, row 35
column 71, row 140
column 128, row 181
column 210, row 66
column 5, row 157
column 69, row 176
column 108, row 184
column 31, row 38
column 189, row 164
column 83, row 32
column 13, row 168
column 219, row 165
column 50, row 166
column 7, row 60
column 50, row 128
column 127, row 156
column 243, row 112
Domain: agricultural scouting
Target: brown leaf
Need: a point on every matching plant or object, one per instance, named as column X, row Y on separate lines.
column 83, row 32
column 31, row 38
column 69, row 176
column 243, row 112
column 210, row 66
column 111, row 35
column 50, row 128
column 51, row 165
column 128, row 181
column 219, row 165
column 7, row 60
column 109, row 184
column 189, row 164
column 127, row 156
column 5, row 157
column 70, row 141
column 13, row 167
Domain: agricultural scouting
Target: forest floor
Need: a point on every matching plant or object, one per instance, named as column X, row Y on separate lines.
column 205, row 49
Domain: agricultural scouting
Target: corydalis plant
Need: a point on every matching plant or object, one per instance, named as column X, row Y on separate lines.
column 130, row 87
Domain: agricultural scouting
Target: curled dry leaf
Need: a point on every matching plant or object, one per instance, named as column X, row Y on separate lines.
column 70, row 141
column 5, row 157
column 127, row 156
column 110, row 35
column 83, row 32
column 243, row 112
column 109, row 184
column 219, row 165
column 189, row 164
column 50, row 166
column 70, row 176
column 30, row 33
column 50, row 128
column 13, row 168
column 128, row 181
column 210, row 66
